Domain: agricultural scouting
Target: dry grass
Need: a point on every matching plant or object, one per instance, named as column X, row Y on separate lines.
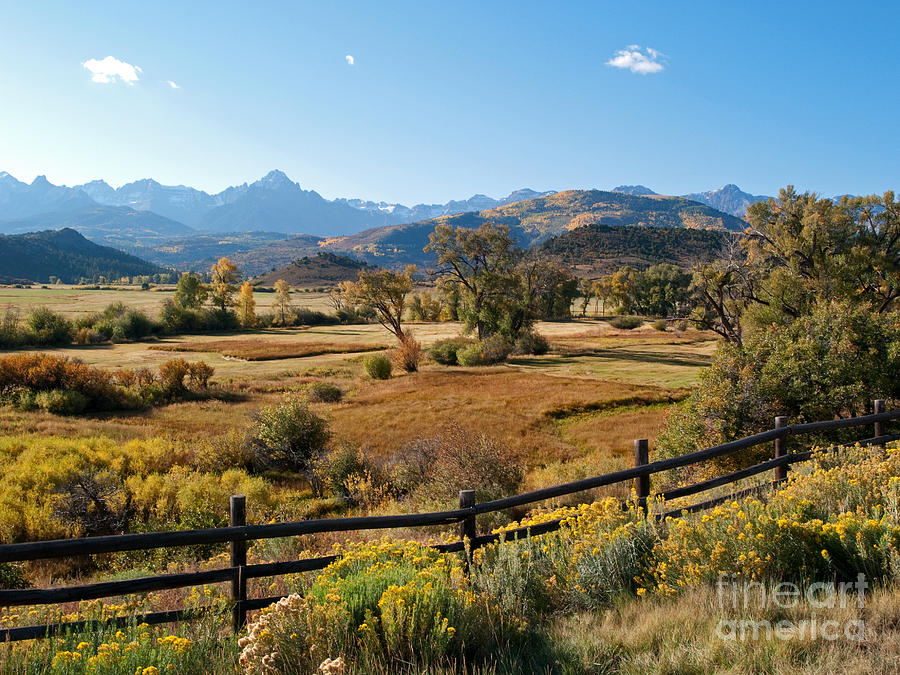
column 74, row 302
column 261, row 349
column 678, row 635
column 515, row 406
column 572, row 413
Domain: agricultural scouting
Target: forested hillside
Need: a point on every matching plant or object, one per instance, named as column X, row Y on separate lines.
column 599, row 249
column 320, row 269
column 534, row 220
column 67, row 256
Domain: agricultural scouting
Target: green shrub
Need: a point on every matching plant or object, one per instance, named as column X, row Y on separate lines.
column 660, row 325
column 287, row 436
column 495, row 349
column 47, row 328
column 12, row 576
column 62, row 401
column 88, row 336
column 626, row 322
column 531, row 343
column 338, row 470
column 324, row 392
column 378, row 366
column 470, row 356
column 177, row 319
column 444, row 351
column 11, row 333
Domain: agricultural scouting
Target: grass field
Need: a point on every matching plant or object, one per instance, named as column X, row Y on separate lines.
column 570, row 413
column 74, row 302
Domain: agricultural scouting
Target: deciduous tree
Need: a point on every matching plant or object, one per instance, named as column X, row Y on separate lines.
column 246, row 306
column 224, row 276
column 190, row 292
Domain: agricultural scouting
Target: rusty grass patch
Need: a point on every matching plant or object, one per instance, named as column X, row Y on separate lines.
column 269, row 350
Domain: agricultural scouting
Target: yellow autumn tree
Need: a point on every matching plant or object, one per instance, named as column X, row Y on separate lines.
column 224, row 276
column 283, row 299
column 246, row 306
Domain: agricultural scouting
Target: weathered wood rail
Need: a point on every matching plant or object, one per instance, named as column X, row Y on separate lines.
column 238, row 533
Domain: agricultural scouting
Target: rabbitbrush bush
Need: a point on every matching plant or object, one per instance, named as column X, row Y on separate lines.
column 288, row 435
column 379, row 604
column 378, row 366
column 324, row 392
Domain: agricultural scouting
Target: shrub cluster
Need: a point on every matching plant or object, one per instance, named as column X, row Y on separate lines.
column 99, row 486
column 45, row 328
column 178, row 319
column 116, row 323
column 302, row 316
column 492, row 350
column 67, row 386
column 378, row 604
column 531, row 343
column 42, row 328
column 626, row 322
column 432, row 471
column 444, row 351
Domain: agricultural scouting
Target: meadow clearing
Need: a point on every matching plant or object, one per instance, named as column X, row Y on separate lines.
column 76, row 301
column 572, row 412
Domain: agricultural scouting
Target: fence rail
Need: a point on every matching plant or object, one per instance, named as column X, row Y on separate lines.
column 238, row 533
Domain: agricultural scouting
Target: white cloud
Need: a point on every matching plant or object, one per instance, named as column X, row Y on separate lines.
column 108, row 69
column 172, row 84
column 637, row 60
column 350, row 59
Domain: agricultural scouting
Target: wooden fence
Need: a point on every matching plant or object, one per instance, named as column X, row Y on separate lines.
column 238, row 533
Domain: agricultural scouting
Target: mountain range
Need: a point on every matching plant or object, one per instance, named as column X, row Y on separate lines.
column 272, row 204
column 728, row 199
column 531, row 222
column 187, row 228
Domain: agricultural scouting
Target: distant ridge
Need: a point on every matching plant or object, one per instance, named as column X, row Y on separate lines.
column 67, row 255
column 532, row 221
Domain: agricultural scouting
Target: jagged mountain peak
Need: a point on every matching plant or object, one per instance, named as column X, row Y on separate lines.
column 274, row 179
column 638, row 190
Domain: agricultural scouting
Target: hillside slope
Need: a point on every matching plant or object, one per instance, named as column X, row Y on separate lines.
column 532, row 221
column 322, row 269
column 594, row 250
column 67, row 255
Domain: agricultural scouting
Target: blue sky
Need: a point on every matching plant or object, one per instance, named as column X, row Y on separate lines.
column 447, row 99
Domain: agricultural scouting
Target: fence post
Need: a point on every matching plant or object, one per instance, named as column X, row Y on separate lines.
column 879, row 426
column 467, row 526
column 238, row 517
column 642, row 483
column 780, row 450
